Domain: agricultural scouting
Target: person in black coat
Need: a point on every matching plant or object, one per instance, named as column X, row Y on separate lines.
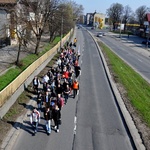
column 56, row 117
column 48, row 118
column 59, row 89
column 77, row 70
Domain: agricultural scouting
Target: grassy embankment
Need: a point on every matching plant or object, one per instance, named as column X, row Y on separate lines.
column 12, row 73
column 138, row 90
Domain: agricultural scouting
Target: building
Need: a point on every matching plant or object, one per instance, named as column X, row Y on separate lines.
column 97, row 20
column 5, row 16
column 88, row 20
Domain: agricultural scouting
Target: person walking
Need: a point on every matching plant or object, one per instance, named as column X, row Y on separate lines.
column 47, row 98
column 40, row 100
column 77, row 70
column 60, row 101
column 36, row 84
column 35, row 119
column 75, row 87
column 56, row 117
column 66, row 93
column 48, row 118
column 75, row 42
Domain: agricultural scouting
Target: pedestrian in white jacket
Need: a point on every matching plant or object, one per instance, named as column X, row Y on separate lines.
column 35, row 119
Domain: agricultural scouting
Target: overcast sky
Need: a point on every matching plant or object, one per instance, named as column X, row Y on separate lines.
column 101, row 6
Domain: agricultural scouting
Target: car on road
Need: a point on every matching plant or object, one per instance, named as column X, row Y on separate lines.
column 100, row 34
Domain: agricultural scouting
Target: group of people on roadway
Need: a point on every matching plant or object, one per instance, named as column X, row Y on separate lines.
column 55, row 87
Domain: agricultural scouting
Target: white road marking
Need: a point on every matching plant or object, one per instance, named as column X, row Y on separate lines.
column 75, row 124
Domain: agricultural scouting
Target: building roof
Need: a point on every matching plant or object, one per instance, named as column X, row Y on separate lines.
column 8, row 1
column 148, row 17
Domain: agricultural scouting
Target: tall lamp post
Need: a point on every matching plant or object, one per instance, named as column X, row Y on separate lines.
column 61, row 31
column 120, row 27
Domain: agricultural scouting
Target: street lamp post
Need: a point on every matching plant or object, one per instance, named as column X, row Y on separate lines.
column 61, row 31
column 120, row 27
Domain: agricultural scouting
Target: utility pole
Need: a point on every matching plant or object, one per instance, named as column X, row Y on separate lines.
column 61, row 31
column 120, row 27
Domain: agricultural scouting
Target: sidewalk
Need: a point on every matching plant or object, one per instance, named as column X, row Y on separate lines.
column 13, row 133
column 133, row 42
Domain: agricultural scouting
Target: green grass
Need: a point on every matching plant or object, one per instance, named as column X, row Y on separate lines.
column 138, row 90
column 11, row 74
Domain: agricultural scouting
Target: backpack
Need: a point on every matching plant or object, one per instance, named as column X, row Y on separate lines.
column 61, row 101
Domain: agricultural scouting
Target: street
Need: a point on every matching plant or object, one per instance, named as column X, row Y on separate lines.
column 131, row 51
column 92, row 120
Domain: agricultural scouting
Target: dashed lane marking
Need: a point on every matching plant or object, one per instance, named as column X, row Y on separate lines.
column 75, row 125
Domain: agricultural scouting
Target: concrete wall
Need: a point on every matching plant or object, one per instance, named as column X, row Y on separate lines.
column 9, row 95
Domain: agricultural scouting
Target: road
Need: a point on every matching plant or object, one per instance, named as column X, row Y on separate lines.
column 92, row 121
column 131, row 50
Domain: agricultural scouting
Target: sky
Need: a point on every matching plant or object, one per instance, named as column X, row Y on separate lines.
column 100, row 6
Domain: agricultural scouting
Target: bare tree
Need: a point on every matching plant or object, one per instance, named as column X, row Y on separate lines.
column 132, row 18
column 140, row 13
column 37, row 14
column 77, row 10
column 115, row 13
column 64, row 17
column 19, row 29
column 126, row 15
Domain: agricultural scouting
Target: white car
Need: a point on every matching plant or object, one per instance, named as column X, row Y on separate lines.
column 99, row 34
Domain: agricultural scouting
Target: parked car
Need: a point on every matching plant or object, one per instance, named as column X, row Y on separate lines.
column 145, row 42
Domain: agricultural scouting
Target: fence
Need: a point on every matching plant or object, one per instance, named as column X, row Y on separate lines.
column 8, row 91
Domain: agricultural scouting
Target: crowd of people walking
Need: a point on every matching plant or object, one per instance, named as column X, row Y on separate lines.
column 55, row 88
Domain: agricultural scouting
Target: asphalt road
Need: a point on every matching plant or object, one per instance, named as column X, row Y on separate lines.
column 139, row 62
column 131, row 50
column 92, row 121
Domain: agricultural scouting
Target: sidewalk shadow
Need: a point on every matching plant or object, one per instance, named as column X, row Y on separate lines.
column 30, row 107
column 17, row 125
column 26, row 126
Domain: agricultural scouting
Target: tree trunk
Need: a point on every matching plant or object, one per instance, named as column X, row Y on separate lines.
column 114, row 27
column 37, row 44
column 18, row 55
column 125, row 25
column 51, row 37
